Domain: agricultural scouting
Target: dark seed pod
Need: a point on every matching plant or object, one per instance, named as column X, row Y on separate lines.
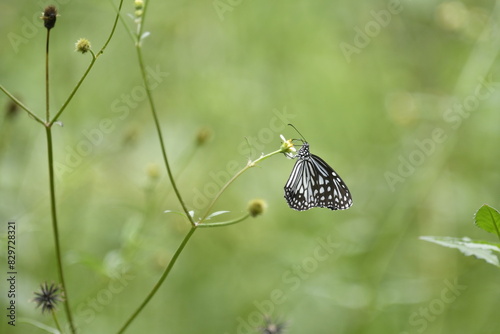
column 49, row 17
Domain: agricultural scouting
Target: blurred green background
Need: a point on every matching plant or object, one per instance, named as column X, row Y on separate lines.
column 401, row 98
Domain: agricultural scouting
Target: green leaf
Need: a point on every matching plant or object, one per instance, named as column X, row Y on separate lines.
column 39, row 325
column 488, row 219
column 191, row 213
column 231, row 222
column 217, row 213
column 486, row 251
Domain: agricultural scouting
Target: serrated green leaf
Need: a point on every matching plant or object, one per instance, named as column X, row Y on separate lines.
column 488, row 219
column 486, row 251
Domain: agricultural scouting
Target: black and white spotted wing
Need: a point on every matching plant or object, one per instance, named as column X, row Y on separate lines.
column 313, row 183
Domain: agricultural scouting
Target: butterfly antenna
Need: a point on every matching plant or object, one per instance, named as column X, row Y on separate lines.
column 303, row 138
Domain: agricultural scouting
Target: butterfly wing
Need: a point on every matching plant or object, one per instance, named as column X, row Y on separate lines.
column 298, row 191
column 329, row 189
column 313, row 183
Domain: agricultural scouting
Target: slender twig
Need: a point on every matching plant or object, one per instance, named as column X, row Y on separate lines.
column 190, row 233
column 194, row 225
column 130, row 33
column 160, row 281
column 55, row 229
column 52, row 189
column 155, row 115
column 75, row 89
column 47, row 108
column 94, row 58
column 250, row 164
column 170, row 175
column 21, row 105
column 112, row 29
column 48, row 131
column 54, row 315
column 231, row 222
column 160, row 134
column 136, row 38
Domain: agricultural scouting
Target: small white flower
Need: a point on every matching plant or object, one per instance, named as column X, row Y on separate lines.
column 287, row 147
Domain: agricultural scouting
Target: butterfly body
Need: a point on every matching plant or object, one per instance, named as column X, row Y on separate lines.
column 313, row 183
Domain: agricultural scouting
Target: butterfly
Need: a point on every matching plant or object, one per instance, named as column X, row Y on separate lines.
column 313, row 183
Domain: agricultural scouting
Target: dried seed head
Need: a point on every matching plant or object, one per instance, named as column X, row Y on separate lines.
column 48, row 297
column 49, row 17
column 272, row 327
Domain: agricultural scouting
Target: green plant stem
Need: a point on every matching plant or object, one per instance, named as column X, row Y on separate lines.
column 174, row 186
column 159, row 132
column 47, row 108
column 94, row 58
column 170, row 175
column 52, row 188
column 22, row 106
column 55, row 228
column 49, row 121
column 125, row 25
column 75, row 89
column 194, row 226
column 172, row 181
column 219, row 224
column 160, row 281
column 54, row 316
column 250, row 164
column 112, row 29
column 48, row 129
column 190, row 233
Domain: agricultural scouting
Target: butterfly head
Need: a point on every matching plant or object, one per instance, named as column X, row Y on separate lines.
column 303, row 152
column 288, row 148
